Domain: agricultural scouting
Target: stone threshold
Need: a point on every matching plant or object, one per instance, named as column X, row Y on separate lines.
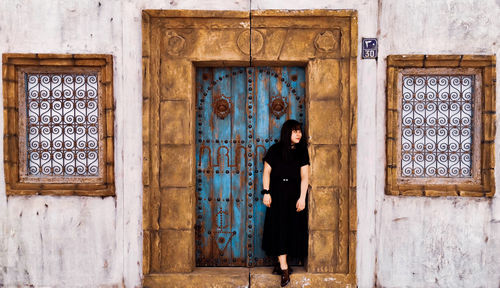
column 260, row 277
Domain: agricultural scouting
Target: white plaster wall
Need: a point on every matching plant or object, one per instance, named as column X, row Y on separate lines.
column 66, row 241
column 96, row 242
column 429, row 242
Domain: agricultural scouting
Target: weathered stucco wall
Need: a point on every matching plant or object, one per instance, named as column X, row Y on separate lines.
column 69, row 241
column 435, row 242
column 402, row 241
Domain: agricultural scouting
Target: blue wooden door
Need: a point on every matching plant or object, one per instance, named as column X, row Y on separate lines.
column 239, row 113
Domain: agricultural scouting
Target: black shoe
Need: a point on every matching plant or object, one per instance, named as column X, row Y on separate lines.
column 285, row 278
column 277, row 270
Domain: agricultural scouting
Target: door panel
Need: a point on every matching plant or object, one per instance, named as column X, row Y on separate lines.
column 239, row 115
column 220, row 161
column 287, row 84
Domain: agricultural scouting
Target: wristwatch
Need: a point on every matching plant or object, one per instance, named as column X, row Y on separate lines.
column 265, row 191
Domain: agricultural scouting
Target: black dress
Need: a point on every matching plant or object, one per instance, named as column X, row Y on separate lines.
column 285, row 229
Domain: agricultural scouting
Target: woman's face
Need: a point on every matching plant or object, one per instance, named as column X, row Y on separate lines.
column 296, row 135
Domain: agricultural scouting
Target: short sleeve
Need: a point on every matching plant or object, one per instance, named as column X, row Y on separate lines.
column 270, row 156
column 304, row 158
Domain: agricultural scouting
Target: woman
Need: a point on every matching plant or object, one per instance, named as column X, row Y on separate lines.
column 285, row 181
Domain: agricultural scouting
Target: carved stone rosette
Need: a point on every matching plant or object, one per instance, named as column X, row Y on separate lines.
column 175, row 43
column 327, row 41
column 245, row 38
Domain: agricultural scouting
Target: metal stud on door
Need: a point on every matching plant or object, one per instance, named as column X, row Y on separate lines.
column 239, row 113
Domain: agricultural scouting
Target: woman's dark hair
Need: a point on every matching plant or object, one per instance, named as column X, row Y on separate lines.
column 286, row 135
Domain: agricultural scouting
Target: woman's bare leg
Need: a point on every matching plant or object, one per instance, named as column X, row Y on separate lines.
column 283, row 264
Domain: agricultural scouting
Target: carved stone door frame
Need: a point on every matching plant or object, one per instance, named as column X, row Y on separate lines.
column 175, row 42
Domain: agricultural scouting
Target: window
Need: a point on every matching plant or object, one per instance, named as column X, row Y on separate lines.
column 440, row 125
column 58, row 114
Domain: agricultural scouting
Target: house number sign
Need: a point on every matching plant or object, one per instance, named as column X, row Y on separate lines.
column 369, row 48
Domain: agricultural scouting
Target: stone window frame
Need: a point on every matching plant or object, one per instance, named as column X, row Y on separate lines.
column 482, row 182
column 14, row 68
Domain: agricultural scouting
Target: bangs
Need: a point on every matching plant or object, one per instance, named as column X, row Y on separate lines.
column 297, row 126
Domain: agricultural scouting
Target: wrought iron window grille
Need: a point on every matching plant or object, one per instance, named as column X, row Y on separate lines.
column 436, row 126
column 62, row 125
